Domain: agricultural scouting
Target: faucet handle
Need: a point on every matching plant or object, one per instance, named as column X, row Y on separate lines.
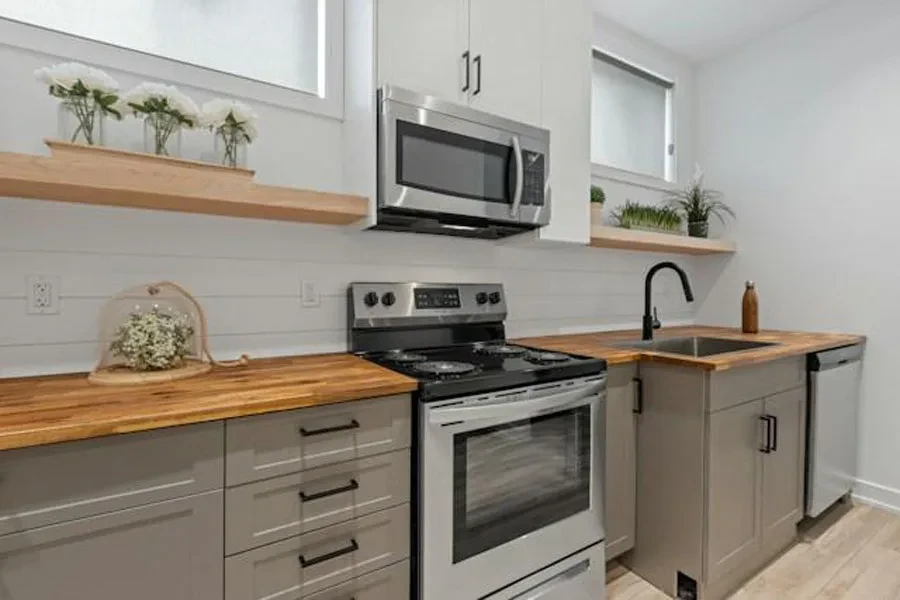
column 656, row 323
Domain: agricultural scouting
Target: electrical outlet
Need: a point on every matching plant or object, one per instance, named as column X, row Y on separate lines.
column 42, row 294
column 309, row 294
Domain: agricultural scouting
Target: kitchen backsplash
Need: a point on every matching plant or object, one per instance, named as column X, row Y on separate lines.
column 247, row 274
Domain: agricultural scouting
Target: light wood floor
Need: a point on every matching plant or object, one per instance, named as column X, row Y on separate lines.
column 853, row 553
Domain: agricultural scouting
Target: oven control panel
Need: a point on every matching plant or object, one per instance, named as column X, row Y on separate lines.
column 383, row 304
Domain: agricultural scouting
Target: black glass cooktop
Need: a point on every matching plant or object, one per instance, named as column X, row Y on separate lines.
column 466, row 369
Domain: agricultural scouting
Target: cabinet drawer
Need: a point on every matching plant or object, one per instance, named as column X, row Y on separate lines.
column 61, row 482
column 267, row 511
column 266, row 446
column 169, row 550
column 300, row 566
column 742, row 384
column 391, row 583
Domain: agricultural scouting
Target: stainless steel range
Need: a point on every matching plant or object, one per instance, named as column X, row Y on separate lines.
column 508, row 463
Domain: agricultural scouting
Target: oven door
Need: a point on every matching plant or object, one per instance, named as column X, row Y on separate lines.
column 438, row 163
column 510, row 484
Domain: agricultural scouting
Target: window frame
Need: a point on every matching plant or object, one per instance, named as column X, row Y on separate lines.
column 669, row 179
column 328, row 102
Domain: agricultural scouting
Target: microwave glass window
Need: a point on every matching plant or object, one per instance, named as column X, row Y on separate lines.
column 448, row 163
column 516, row 478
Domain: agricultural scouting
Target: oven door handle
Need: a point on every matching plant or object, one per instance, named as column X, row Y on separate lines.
column 522, row 409
column 520, row 176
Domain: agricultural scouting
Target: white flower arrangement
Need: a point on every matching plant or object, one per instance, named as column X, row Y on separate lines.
column 164, row 108
column 86, row 91
column 153, row 341
column 232, row 122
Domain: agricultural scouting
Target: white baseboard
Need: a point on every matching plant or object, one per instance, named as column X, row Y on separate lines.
column 877, row 495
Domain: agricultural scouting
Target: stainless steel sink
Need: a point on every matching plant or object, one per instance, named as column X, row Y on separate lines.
column 694, row 346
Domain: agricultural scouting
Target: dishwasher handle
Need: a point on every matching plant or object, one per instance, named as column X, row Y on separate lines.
column 832, row 359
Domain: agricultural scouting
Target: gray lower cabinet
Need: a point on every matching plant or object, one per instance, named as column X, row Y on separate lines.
column 298, row 567
column 170, row 550
column 621, row 460
column 720, row 476
column 391, row 583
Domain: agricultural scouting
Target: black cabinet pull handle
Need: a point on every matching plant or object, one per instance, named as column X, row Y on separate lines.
column 353, row 485
column 774, row 434
column 466, row 56
column 767, row 449
column 353, row 424
column 477, row 62
column 638, row 396
column 353, row 547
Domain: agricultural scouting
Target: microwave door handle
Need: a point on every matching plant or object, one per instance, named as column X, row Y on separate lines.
column 520, row 176
column 522, row 409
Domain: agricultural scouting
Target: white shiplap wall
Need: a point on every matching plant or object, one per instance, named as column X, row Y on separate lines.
column 247, row 276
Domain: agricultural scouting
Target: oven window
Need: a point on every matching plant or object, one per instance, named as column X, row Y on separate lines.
column 516, row 478
column 448, row 163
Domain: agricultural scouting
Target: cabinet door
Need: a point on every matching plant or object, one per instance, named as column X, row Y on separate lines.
column 505, row 38
column 734, row 487
column 783, row 468
column 170, row 550
column 621, row 462
column 421, row 45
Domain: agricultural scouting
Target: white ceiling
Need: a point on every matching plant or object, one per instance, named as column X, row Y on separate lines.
column 703, row 29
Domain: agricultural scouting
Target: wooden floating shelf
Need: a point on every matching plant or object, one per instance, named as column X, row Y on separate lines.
column 603, row 236
column 109, row 177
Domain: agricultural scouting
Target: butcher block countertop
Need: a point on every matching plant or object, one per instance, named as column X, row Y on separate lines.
column 603, row 345
column 46, row 410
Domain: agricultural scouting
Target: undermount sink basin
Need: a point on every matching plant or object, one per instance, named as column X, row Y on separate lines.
column 695, row 346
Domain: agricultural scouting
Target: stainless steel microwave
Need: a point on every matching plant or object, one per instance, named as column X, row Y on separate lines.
column 450, row 169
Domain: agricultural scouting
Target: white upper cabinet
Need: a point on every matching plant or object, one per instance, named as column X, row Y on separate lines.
column 505, row 43
column 421, row 45
column 566, row 112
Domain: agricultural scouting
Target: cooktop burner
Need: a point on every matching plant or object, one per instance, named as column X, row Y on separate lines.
column 399, row 356
column 500, row 350
column 546, row 358
column 443, row 368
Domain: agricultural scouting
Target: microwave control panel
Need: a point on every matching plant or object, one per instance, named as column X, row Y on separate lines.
column 533, row 185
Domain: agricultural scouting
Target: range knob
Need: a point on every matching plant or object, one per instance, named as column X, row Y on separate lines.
column 370, row 299
column 494, row 297
column 388, row 299
column 481, row 298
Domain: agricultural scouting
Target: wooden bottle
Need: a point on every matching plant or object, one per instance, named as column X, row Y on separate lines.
column 750, row 312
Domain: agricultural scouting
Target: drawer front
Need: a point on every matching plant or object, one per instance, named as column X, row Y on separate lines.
column 62, row 482
column 271, row 510
column 742, row 384
column 266, row 446
column 391, row 583
column 310, row 563
column 169, row 550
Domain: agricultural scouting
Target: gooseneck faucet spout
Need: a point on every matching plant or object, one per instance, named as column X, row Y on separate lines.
column 647, row 323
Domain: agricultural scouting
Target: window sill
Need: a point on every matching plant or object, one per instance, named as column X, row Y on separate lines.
column 631, row 178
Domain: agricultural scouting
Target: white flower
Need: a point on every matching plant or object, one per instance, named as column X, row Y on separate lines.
column 66, row 75
column 159, row 97
column 697, row 179
column 215, row 114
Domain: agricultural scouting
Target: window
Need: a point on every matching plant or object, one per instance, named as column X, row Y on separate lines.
column 631, row 118
column 285, row 44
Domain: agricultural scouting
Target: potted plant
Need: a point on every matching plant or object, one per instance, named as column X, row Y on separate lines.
column 598, row 198
column 166, row 111
column 697, row 203
column 234, row 127
column 87, row 96
column 659, row 219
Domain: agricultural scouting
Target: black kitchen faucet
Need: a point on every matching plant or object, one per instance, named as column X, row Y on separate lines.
column 647, row 328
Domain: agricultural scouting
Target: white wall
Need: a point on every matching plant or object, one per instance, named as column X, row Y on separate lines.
column 247, row 273
column 800, row 131
column 615, row 39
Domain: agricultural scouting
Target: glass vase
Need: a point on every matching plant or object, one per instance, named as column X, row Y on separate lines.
column 230, row 147
column 80, row 121
column 162, row 135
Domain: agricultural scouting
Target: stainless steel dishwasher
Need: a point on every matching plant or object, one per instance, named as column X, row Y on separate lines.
column 834, row 377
